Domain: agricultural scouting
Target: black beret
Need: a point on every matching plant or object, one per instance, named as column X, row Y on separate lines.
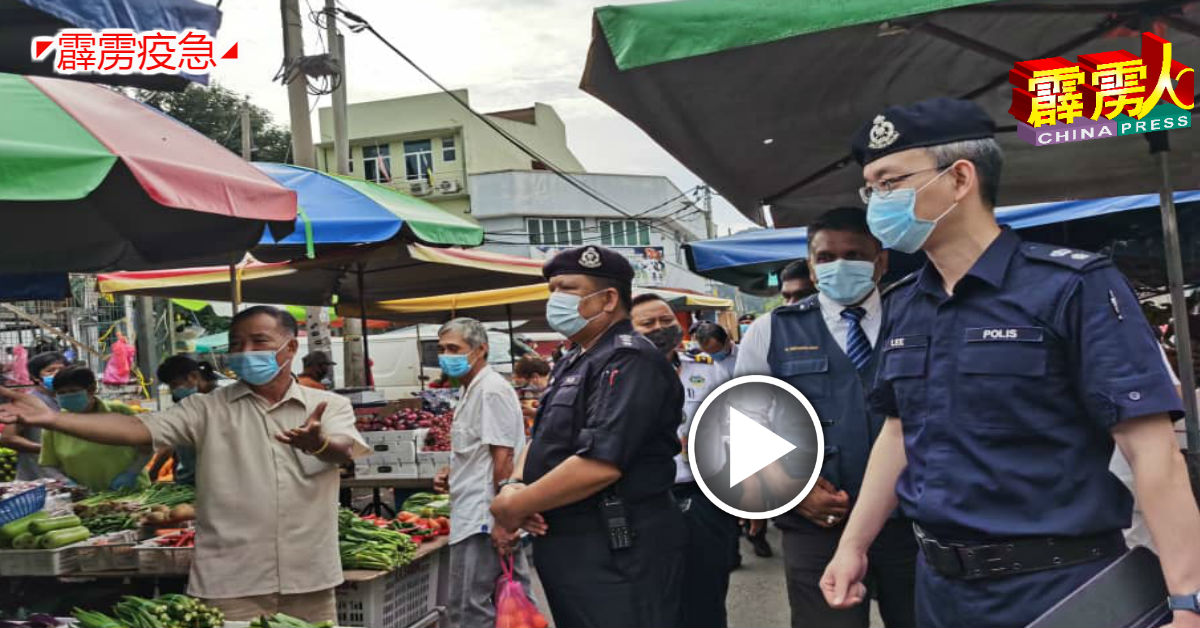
column 926, row 123
column 596, row 261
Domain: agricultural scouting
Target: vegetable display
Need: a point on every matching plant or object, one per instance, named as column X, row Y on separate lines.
column 10, row 531
column 279, row 620
column 166, row 611
column 438, row 504
column 366, row 545
column 40, row 531
column 8, row 464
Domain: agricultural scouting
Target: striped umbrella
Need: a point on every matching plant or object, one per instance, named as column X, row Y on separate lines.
column 91, row 180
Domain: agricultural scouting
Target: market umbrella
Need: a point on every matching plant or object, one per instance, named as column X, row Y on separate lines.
column 759, row 97
column 22, row 20
column 1125, row 226
column 96, row 181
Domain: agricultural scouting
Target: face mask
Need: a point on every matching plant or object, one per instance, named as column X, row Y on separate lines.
column 743, row 328
column 74, row 402
column 179, row 394
column 719, row 356
column 454, row 365
column 892, row 218
column 562, row 313
column 48, row 382
column 846, row 281
column 255, row 367
column 666, row 339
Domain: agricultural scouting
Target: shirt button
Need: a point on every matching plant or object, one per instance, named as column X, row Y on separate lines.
column 1135, row 395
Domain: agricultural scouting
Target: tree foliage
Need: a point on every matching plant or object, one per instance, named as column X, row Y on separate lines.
column 215, row 112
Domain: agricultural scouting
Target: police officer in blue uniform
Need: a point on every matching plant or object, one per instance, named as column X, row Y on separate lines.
column 1008, row 370
column 826, row 345
column 595, row 483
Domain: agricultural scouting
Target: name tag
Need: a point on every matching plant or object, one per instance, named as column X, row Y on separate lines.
column 1004, row 334
column 907, row 342
column 802, row 348
column 570, row 380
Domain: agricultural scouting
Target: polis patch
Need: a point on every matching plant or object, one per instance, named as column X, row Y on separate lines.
column 1004, row 334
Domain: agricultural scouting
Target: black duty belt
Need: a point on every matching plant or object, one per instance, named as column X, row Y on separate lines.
column 973, row 561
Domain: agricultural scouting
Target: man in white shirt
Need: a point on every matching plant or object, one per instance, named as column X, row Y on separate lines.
column 825, row 346
column 487, row 436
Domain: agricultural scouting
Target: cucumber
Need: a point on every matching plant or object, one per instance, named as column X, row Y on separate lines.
column 13, row 529
column 25, row 541
column 42, row 526
column 63, row 537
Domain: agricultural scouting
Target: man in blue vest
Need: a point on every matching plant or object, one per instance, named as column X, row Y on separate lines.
column 825, row 346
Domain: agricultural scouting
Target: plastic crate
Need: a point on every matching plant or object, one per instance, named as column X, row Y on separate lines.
column 396, row 600
column 22, row 505
column 110, row 552
column 164, row 560
column 39, row 562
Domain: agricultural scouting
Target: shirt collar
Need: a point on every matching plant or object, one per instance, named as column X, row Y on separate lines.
column 241, row 390
column 991, row 267
column 833, row 310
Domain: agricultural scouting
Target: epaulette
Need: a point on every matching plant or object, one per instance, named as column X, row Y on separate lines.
column 629, row 342
column 1063, row 256
column 808, row 303
column 702, row 358
column 899, row 283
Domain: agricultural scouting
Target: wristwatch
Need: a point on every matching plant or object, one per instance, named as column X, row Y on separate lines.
column 1189, row 602
column 504, row 483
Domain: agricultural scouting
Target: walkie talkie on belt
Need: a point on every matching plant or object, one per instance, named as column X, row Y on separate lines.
column 616, row 521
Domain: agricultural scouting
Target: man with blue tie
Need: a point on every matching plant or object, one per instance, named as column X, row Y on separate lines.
column 825, row 346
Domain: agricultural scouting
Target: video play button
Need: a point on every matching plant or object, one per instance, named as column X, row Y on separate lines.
column 755, row 447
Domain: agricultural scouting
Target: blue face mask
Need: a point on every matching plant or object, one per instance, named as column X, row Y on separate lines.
column 719, row 356
column 562, row 313
column 48, row 382
column 892, row 218
column 743, row 328
column 74, row 402
column 454, row 365
column 846, row 281
column 179, row 394
column 255, row 367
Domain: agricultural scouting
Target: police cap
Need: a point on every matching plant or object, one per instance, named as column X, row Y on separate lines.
column 926, row 123
column 596, row 261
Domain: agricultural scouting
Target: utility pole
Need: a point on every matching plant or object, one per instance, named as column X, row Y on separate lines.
column 708, row 215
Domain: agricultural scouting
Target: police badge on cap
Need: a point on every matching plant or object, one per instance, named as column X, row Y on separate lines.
column 926, row 123
column 596, row 261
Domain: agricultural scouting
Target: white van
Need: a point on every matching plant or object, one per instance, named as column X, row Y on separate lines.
column 398, row 365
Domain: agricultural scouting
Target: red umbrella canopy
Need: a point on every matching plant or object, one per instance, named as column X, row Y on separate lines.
column 93, row 180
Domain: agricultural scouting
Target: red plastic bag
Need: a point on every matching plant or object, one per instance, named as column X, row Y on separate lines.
column 116, row 372
column 18, row 372
column 513, row 607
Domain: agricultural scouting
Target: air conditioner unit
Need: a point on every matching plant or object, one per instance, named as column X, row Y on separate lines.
column 449, row 186
column 419, row 188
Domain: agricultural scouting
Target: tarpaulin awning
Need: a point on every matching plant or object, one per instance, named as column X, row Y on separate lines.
column 22, row 20
column 338, row 210
column 745, row 259
column 520, row 302
column 759, row 98
column 389, row 270
column 93, row 180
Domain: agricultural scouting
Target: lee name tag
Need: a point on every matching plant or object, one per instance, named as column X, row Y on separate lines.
column 1004, row 334
column 907, row 342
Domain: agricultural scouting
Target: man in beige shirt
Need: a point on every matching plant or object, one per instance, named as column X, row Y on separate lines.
column 268, row 452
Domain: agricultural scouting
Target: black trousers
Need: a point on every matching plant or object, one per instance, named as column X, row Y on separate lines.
column 590, row 585
column 710, row 532
column 891, row 575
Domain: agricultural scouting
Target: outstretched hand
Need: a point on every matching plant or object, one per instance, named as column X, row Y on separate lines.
column 307, row 438
column 17, row 407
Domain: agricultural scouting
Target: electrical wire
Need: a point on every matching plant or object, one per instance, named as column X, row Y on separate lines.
column 357, row 24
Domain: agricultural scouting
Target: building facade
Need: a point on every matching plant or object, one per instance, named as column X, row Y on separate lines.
column 432, row 148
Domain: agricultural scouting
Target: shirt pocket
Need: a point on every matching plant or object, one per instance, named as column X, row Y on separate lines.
column 557, row 419
column 1001, row 370
column 905, row 369
column 809, row 375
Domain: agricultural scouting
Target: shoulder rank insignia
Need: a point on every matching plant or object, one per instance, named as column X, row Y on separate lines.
column 625, row 340
column 703, row 358
column 1062, row 256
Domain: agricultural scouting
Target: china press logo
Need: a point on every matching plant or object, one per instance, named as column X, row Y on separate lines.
column 1107, row 94
column 124, row 51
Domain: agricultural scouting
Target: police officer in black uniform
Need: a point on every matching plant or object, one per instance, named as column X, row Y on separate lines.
column 1008, row 370
column 595, row 483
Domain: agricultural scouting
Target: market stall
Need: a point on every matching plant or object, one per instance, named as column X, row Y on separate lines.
column 51, row 536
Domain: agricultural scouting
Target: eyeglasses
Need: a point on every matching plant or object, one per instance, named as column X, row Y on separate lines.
column 885, row 187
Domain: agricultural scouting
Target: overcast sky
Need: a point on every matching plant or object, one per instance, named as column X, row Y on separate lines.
column 508, row 53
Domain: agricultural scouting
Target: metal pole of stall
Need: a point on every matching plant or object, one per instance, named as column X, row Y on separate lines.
column 420, row 358
column 235, row 286
column 362, row 312
column 512, row 355
column 1160, row 148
